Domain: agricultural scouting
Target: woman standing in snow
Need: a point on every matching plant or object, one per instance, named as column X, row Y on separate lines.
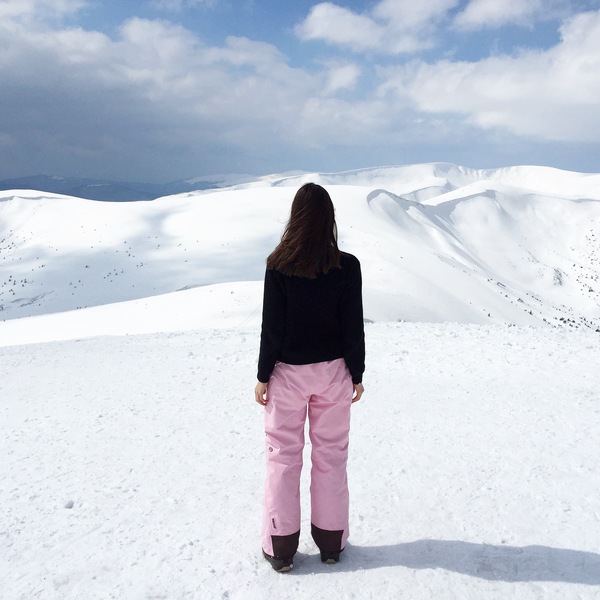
column 311, row 359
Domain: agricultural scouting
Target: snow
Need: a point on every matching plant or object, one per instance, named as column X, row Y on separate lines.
column 133, row 449
column 473, row 468
column 437, row 242
column 226, row 305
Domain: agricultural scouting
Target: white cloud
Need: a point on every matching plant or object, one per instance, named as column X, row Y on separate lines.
column 340, row 26
column 391, row 27
column 156, row 102
column 489, row 14
column 154, row 95
column 550, row 95
column 37, row 10
column 341, row 77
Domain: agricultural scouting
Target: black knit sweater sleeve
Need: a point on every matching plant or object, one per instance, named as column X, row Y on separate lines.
column 353, row 331
column 273, row 324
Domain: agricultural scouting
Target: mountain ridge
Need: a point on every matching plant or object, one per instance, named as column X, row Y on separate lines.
column 450, row 174
column 437, row 243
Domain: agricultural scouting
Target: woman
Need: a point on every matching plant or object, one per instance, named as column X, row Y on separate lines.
column 311, row 359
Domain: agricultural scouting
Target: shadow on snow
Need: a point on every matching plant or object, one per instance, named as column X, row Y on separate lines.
column 494, row 563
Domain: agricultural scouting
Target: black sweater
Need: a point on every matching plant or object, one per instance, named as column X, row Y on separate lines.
column 313, row 320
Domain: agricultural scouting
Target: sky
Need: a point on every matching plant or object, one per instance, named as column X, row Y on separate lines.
column 162, row 90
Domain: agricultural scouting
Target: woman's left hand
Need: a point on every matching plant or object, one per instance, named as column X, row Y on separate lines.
column 260, row 393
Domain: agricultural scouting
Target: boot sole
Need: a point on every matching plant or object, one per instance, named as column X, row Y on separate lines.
column 278, row 568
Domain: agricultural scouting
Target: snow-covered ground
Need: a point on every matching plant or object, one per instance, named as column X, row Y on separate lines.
column 133, row 465
column 132, row 448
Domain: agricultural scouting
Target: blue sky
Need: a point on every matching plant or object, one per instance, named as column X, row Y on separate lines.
column 161, row 90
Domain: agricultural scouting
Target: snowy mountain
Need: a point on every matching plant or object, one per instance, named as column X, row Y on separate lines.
column 437, row 243
column 133, row 451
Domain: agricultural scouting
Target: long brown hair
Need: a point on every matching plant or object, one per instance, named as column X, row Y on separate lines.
column 308, row 245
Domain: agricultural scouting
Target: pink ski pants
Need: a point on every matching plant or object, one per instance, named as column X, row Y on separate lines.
column 324, row 390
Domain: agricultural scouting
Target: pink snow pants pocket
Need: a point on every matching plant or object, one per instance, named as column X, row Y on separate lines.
column 324, row 392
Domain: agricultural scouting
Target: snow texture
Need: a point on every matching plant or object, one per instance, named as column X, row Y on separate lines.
column 132, row 449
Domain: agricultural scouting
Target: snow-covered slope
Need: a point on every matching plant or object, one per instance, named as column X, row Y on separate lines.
column 132, row 468
column 132, row 448
column 437, row 243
